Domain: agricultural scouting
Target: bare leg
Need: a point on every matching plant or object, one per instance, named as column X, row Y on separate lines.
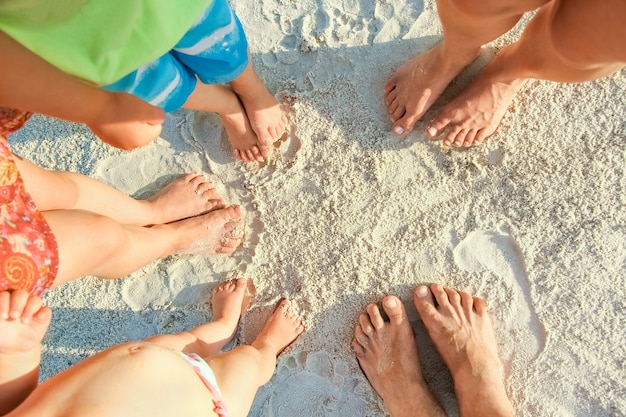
column 387, row 354
column 90, row 244
column 184, row 197
column 23, row 323
column 230, row 300
column 241, row 371
column 567, row 41
column 461, row 329
column 467, row 26
column 266, row 117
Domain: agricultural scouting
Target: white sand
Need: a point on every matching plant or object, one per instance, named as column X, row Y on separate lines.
column 534, row 220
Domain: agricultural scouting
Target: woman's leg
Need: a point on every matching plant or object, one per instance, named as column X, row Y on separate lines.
column 91, row 244
column 184, row 197
column 566, row 41
column 241, row 371
column 467, row 26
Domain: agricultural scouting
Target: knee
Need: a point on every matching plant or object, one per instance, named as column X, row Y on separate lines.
column 108, row 235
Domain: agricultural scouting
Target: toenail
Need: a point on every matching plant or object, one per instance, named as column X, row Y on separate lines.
column 390, row 302
column 398, row 130
column 431, row 132
column 421, row 291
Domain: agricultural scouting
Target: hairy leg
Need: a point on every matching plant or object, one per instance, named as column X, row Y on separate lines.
column 91, row 244
column 566, row 41
column 23, row 323
column 230, row 300
column 241, row 371
column 467, row 26
column 462, row 331
column 388, row 356
column 184, row 197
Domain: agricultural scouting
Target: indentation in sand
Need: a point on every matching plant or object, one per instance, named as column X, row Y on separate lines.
column 498, row 252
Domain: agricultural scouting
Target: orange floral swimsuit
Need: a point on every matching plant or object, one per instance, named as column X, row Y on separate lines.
column 29, row 256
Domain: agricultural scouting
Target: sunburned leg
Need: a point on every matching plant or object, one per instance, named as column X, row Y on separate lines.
column 241, row 371
column 569, row 41
column 462, row 332
column 388, row 356
column 23, row 323
column 90, row 244
column 184, row 197
column 230, row 300
column 467, row 26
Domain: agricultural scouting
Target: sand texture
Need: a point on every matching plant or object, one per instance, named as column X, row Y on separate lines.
column 534, row 220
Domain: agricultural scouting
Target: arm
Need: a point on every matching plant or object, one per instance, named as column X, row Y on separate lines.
column 23, row 323
column 28, row 82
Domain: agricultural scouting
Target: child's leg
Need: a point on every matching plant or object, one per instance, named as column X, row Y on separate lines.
column 91, row 244
column 241, row 371
column 23, row 323
column 230, row 300
column 184, row 197
column 219, row 99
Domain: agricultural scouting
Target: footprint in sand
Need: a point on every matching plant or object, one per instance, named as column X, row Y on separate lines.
column 324, row 389
column 507, row 290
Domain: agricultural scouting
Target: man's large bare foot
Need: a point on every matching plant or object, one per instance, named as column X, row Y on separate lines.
column 219, row 231
column 476, row 113
column 462, row 332
column 184, row 197
column 230, row 300
column 23, row 324
column 281, row 330
column 388, row 356
column 416, row 85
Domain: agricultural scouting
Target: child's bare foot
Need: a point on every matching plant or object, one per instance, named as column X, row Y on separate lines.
column 282, row 329
column 476, row 113
column 219, row 231
column 264, row 113
column 23, row 322
column 184, row 197
column 241, row 135
column 230, row 300
column 462, row 331
column 416, row 85
column 388, row 356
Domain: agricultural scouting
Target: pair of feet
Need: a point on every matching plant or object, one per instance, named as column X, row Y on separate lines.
column 204, row 223
column 24, row 320
column 468, row 119
column 252, row 119
column 462, row 332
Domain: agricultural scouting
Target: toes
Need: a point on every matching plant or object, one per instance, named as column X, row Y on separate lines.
column 424, row 302
column 394, row 309
column 480, row 306
column 375, row 318
column 33, row 305
column 366, row 324
column 436, row 127
column 18, row 302
column 358, row 349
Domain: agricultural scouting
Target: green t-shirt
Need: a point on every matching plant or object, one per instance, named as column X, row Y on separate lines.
column 99, row 40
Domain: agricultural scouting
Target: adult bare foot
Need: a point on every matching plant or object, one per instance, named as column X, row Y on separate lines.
column 23, row 324
column 462, row 332
column 416, row 85
column 230, row 300
column 476, row 113
column 387, row 354
column 184, row 197
column 219, row 231
column 281, row 330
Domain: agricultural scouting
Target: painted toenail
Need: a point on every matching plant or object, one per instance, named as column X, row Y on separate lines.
column 431, row 132
column 398, row 130
column 421, row 291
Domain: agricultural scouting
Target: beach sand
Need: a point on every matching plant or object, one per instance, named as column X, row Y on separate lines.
column 534, row 220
